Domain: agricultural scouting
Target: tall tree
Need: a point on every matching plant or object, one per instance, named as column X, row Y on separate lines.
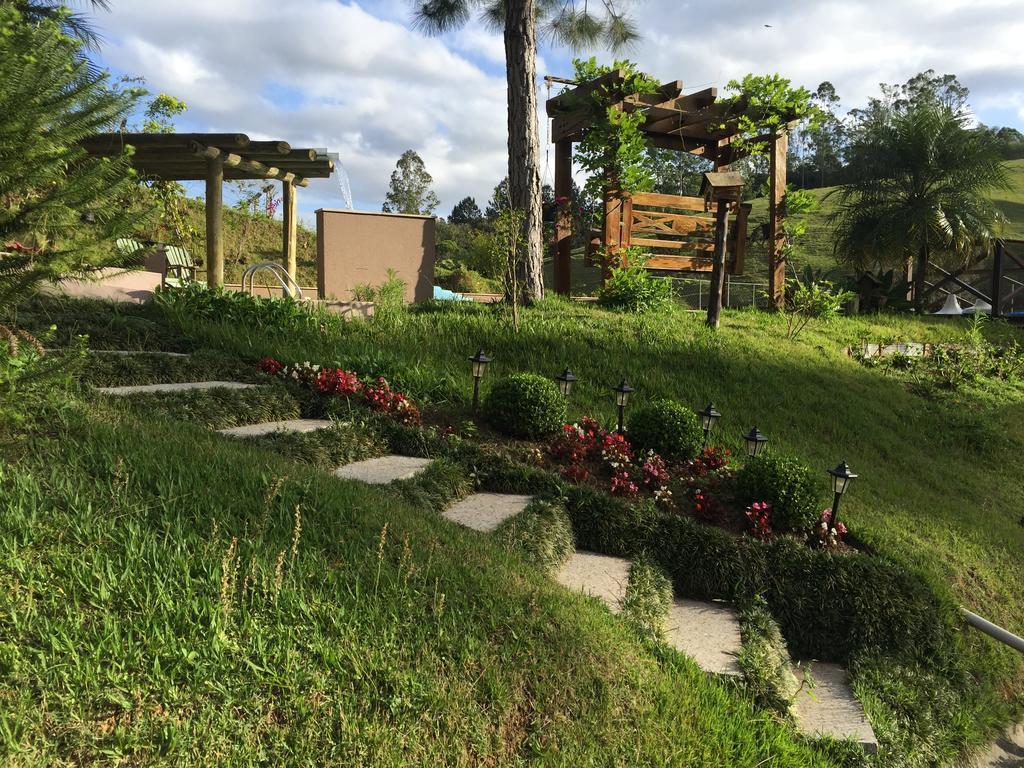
column 466, row 211
column 826, row 135
column 919, row 184
column 410, row 187
column 566, row 24
column 61, row 207
column 75, row 25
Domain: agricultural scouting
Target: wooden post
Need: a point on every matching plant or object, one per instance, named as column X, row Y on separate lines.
column 289, row 228
column 563, row 217
column 612, row 231
column 997, row 280
column 718, row 269
column 215, row 222
column 776, row 220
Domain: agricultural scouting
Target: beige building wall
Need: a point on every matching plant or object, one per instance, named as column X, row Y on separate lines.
column 355, row 247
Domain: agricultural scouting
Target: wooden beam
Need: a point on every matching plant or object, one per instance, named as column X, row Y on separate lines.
column 214, row 222
column 718, row 268
column 234, row 161
column 571, row 99
column 289, row 228
column 997, row 279
column 740, row 240
column 950, row 277
column 563, row 217
column 776, row 221
column 669, row 201
column 114, row 141
column 675, row 143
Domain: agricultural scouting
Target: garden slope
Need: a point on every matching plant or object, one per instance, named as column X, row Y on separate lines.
column 179, row 598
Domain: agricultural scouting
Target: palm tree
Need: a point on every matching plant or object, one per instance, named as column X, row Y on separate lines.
column 919, row 189
column 75, row 25
column 565, row 24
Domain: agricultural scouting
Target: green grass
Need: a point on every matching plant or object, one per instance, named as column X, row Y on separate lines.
column 176, row 598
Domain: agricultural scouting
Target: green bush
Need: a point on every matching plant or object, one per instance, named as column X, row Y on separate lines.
column 667, row 428
column 633, row 289
column 218, row 408
column 647, row 599
column 525, row 405
column 541, row 534
column 789, row 485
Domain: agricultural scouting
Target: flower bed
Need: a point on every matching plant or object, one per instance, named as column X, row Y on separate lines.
column 327, row 382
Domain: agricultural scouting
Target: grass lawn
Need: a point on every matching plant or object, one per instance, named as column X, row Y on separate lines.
column 505, row 669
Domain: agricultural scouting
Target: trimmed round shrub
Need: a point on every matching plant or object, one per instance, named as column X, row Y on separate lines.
column 525, row 405
column 790, row 486
column 667, row 428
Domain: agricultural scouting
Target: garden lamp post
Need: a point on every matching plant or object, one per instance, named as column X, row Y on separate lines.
column 565, row 381
column 622, row 392
column 755, row 442
column 708, row 418
column 479, row 361
column 841, row 478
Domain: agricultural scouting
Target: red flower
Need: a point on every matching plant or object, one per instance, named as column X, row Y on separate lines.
column 270, row 366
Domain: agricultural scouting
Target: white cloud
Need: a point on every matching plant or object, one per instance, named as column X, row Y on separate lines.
column 355, row 78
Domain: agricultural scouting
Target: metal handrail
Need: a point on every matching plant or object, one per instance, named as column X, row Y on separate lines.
column 288, row 285
column 1004, row 636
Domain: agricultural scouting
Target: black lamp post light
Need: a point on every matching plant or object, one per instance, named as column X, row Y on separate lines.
column 480, row 361
column 708, row 419
column 841, row 479
column 565, row 381
column 622, row 393
column 755, row 442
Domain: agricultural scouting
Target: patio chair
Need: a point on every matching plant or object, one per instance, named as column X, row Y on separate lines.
column 181, row 267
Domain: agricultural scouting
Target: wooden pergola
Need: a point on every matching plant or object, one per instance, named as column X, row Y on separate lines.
column 216, row 157
column 696, row 123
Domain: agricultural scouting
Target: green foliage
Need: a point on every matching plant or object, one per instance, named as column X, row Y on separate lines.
column 541, row 534
column 817, row 299
column 115, row 370
column 789, row 485
column 466, row 211
column 919, row 187
column 199, row 302
column 410, row 191
column 764, row 658
column 632, row 288
column 217, row 408
column 64, row 206
column 525, row 405
column 507, row 247
column 326, row 449
column 34, row 385
column 768, row 103
column 388, row 298
column 666, row 427
column 648, row 597
column 613, row 151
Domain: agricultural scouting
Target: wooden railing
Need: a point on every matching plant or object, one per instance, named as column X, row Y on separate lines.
column 676, row 233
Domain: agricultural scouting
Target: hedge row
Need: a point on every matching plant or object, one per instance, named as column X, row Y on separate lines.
column 829, row 606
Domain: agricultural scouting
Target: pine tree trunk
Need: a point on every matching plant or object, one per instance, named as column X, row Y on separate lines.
column 523, row 141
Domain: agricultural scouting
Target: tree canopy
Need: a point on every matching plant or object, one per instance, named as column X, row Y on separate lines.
column 410, row 190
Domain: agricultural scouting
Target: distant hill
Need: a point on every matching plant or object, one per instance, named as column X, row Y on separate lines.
column 817, row 246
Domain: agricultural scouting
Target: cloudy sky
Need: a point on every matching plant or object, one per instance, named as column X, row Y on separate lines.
column 356, row 78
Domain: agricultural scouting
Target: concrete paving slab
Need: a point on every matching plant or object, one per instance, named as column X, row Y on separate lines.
column 831, row 709
column 486, row 511
column 383, row 469
column 1006, row 752
column 179, row 387
column 709, row 633
column 600, row 576
column 267, row 427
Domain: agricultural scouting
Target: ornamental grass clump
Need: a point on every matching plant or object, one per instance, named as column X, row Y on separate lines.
column 785, row 484
column 666, row 427
column 525, row 405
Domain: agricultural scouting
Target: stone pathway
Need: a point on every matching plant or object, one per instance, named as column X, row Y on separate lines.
column 267, row 427
column 181, row 387
column 599, row 576
column 486, row 511
column 383, row 469
column 709, row 633
column 831, row 709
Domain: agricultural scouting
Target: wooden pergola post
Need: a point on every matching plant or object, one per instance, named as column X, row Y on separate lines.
column 776, row 219
column 289, row 227
column 718, row 269
column 215, row 222
column 563, row 217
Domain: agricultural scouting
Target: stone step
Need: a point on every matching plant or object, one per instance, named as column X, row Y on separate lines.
column 600, row 576
column 383, row 469
column 831, row 709
column 122, row 352
column 138, row 389
column 267, row 427
column 709, row 633
column 1006, row 752
column 486, row 511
